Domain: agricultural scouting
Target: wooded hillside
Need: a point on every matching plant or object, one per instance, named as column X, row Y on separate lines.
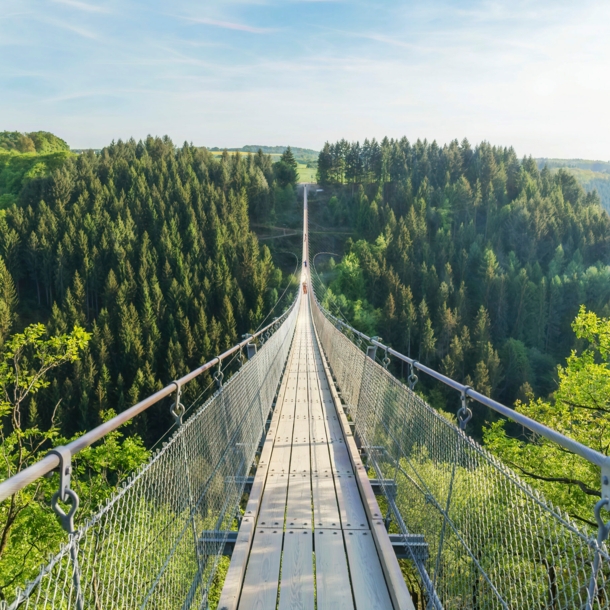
column 469, row 259
column 149, row 248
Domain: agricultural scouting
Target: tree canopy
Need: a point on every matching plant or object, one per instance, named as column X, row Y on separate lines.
column 469, row 259
column 148, row 247
column 580, row 409
column 41, row 142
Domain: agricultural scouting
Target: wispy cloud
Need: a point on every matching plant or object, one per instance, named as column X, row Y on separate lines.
column 83, row 32
column 529, row 73
column 229, row 25
column 83, row 6
column 99, row 93
column 375, row 37
column 390, row 41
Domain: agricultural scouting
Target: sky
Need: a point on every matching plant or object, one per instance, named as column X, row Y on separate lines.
column 534, row 75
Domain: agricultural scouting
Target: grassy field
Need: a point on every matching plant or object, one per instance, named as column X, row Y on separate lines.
column 306, row 174
column 217, row 153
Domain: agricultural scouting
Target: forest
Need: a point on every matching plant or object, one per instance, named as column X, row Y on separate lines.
column 119, row 272
column 124, row 269
column 477, row 264
column 24, row 156
column 468, row 259
column 591, row 175
column 148, row 247
column 41, row 142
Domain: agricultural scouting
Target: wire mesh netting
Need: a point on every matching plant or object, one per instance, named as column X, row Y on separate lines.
column 493, row 541
column 150, row 545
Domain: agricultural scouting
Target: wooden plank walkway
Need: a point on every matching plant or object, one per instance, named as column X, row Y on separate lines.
column 306, row 530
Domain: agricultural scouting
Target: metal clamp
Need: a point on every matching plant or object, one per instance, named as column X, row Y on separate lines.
column 65, row 469
column 178, row 410
column 371, row 350
column 464, row 414
column 606, row 479
column 64, row 493
column 412, row 378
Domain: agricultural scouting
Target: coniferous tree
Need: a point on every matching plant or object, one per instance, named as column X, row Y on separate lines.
column 148, row 247
column 488, row 245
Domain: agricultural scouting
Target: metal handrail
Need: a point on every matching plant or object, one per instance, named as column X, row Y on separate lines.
column 51, row 461
column 591, row 455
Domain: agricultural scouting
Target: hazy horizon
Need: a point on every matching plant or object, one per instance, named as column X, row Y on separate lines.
column 532, row 75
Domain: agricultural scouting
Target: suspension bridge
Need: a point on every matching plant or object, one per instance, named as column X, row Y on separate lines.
column 358, row 494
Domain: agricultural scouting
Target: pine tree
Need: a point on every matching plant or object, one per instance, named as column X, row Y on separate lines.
column 8, row 302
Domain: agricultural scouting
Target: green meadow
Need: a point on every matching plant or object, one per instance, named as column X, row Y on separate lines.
column 306, row 174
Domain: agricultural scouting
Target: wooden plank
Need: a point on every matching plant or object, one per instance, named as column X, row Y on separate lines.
column 239, row 559
column 285, row 426
column 298, row 505
column 396, row 585
column 324, row 500
column 353, row 515
column 262, row 576
column 283, row 407
column 280, row 457
column 282, row 447
column 300, row 461
column 318, row 429
column 339, row 457
column 296, row 589
column 273, row 505
column 368, row 583
column 301, row 424
column 320, row 458
column 332, row 578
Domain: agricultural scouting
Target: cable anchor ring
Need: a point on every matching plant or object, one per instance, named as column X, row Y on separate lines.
column 412, row 378
column 464, row 414
column 386, row 360
column 177, row 409
column 603, row 528
column 66, row 519
column 64, row 493
column 219, row 375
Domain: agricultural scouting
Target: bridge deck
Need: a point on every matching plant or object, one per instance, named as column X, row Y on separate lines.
column 306, row 521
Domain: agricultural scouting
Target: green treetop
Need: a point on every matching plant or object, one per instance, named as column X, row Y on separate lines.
column 580, row 409
column 41, row 142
